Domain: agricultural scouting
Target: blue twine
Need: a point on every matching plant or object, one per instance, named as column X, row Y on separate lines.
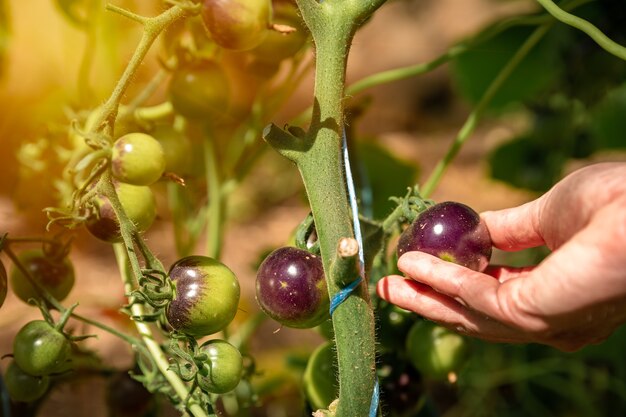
column 345, row 292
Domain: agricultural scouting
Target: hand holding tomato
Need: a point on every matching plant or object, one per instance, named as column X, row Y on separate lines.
column 575, row 297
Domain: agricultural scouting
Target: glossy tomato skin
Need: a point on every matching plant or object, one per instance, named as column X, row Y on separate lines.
column 200, row 91
column 54, row 274
column 223, row 369
column 434, row 350
column 39, row 349
column 320, row 376
column 139, row 205
column 23, row 387
column 451, row 231
column 3, row 283
column 291, row 288
column 138, row 159
column 206, row 297
column 237, row 24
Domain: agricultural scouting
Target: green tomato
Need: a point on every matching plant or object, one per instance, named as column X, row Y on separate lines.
column 237, row 24
column 279, row 46
column 223, row 368
column 206, row 297
column 434, row 350
column 200, row 91
column 3, row 283
column 176, row 147
column 40, row 349
column 138, row 159
column 138, row 203
column 56, row 275
column 320, row 377
column 23, row 387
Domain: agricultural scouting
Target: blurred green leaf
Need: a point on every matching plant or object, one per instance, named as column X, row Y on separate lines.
column 608, row 124
column 380, row 175
column 526, row 163
column 474, row 70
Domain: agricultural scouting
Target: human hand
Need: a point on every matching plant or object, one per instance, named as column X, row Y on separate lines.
column 575, row 297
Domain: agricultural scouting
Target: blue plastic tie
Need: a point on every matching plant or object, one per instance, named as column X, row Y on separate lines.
column 345, row 292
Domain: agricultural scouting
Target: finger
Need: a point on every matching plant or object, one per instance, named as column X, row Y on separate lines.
column 473, row 289
column 515, row 228
column 505, row 273
column 428, row 303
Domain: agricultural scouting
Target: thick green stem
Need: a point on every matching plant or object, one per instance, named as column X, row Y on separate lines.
column 318, row 157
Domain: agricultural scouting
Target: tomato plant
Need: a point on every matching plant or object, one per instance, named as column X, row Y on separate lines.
column 451, row 231
column 54, row 274
column 223, row 367
column 39, row 349
column 206, row 297
column 22, row 386
column 137, row 159
column 214, row 127
column 290, row 288
column 3, row 283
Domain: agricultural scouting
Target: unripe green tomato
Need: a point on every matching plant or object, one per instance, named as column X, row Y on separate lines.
column 223, row 369
column 56, row 275
column 278, row 46
column 320, row 377
column 434, row 350
column 200, row 91
column 23, row 387
column 237, row 24
column 138, row 159
column 138, row 203
column 206, row 297
column 40, row 349
column 3, row 283
column 176, row 147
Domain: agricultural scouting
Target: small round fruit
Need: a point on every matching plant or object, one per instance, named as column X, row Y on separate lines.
column 237, row 24
column 200, row 91
column 23, row 387
column 320, row 377
column 278, row 46
column 138, row 203
column 393, row 323
column 176, row 147
column 223, row 369
column 451, row 231
column 434, row 350
column 206, row 297
column 56, row 275
column 291, row 288
column 138, row 159
column 40, row 349
column 3, row 283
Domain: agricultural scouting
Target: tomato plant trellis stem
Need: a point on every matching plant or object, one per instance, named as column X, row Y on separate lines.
column 318, row 157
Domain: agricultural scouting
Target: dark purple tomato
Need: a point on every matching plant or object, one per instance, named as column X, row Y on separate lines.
column 291, row 288
column 237, row 24
column 23, row 387
column 127, row 397
column 3, row 283
column 40, row 349
column 223, row 369
column 401, row 385
column 138, row 203
column 206, row 297
column 200, row 91
column 55, row 274
column 451, row 231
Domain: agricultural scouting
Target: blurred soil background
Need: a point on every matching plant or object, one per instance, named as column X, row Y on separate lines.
column 414, row 120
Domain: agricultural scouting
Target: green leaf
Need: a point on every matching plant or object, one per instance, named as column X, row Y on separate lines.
column 474, row 70
column 526, row 163
column 380, row 175
column 608, row 124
